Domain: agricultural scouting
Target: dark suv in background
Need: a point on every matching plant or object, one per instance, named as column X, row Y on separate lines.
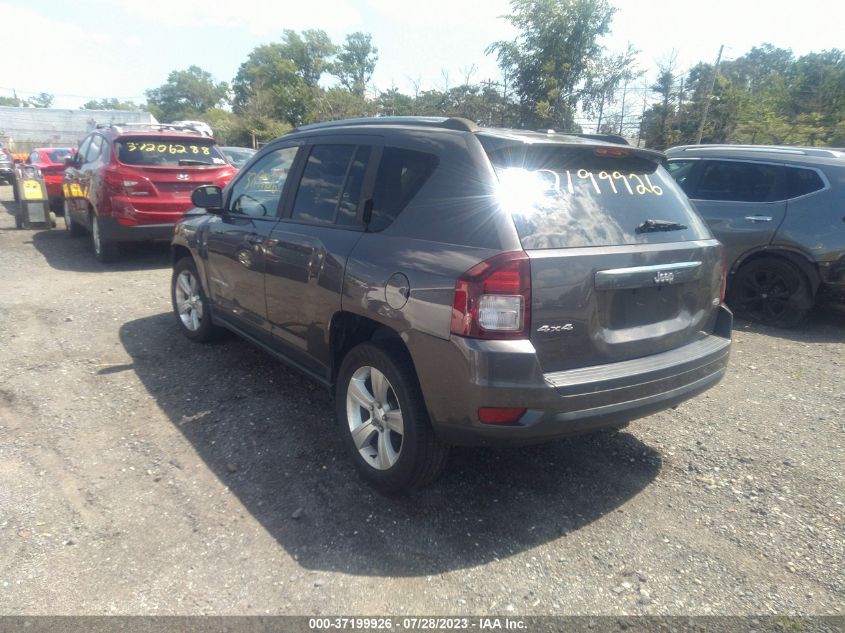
column 459, row 285
column 133, row 182
column 780, row 212
column 7, row 166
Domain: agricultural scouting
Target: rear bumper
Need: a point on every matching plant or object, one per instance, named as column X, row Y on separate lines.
column 112, row 231
column 477, row 374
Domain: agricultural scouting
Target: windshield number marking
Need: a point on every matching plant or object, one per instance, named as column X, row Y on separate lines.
column 167, row 148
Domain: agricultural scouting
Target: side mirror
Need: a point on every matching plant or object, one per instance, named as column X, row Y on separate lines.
column 209, row 197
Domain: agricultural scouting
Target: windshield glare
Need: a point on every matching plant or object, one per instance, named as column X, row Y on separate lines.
column 560, row 198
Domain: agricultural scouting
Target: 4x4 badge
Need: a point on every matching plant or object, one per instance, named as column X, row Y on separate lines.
column 566, row 327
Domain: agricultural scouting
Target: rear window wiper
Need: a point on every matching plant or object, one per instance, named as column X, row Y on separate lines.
column 651, row 226
column 191, row 161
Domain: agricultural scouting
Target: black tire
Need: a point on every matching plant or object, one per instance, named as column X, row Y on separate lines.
column 771, row 291
column 104, row 250
column 206, row 331
column 421, row 456
column 72, row 227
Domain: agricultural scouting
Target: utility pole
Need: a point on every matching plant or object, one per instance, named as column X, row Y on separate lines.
column 642, row 116
column 622, row 114
column 708, row 96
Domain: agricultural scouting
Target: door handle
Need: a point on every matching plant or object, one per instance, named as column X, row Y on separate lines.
column 758, row 218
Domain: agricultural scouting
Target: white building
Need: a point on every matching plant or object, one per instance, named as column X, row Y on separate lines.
column 22, row 129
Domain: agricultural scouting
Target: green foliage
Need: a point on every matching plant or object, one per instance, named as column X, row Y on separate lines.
column 355, row 63
column 549, row 60
column 110, row 104
column 280, row 80
column 41, row 100
column 12, row 102
column 186, row 95
column 766, row 96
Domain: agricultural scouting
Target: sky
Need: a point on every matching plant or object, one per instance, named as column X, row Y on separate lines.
column 89, row 49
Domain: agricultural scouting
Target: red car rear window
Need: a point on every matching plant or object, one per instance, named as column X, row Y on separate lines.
column 168, row 152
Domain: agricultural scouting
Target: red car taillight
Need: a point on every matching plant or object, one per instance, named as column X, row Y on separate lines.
column 493, row 298
column 122, row 183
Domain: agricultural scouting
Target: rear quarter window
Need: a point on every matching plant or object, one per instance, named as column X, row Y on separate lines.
column 800, row 181
column 563, row 197
column 401, row 174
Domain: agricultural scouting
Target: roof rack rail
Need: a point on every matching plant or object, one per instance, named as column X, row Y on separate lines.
column 607, row 138
column 119, row 127
column 449, row 123
column 824, row 152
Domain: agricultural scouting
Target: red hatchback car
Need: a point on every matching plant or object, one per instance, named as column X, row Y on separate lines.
column 133, row 183
column 51, row 162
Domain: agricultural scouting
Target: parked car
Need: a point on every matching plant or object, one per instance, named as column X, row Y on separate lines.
column 238, row 156
column 7, row 166
column 459, row 285
column 51, row 162
column 133, row 183
column 200, row 126
column 780, row 212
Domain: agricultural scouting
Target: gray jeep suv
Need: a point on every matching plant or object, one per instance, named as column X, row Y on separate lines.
column 459, row 285
column 780, row 212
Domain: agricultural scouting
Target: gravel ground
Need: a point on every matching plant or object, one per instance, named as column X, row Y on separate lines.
column 144, row 474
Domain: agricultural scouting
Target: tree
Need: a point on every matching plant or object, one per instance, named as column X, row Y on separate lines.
column 355, row 63
column 41, row 100
column 12, row 102
column 110, row 104
column 339, row 103
column 187, row 94
column 603, row 79
column 548, row 60
column 280, row 80
column 660, row 121
column 393, row 103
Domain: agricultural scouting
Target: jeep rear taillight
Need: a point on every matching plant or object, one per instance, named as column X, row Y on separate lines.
column 493, row 298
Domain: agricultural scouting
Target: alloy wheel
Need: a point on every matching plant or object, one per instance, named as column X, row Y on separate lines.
column 374, row 417
column 765, row 295
column 188, row 300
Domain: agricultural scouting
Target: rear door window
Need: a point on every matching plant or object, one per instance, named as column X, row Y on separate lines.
column 564, row 196
column 739, row 181
column 330, row 189
column 401, row 174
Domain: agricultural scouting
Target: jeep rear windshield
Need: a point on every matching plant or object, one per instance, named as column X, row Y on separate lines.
column 584, row 195
column 168, row 152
